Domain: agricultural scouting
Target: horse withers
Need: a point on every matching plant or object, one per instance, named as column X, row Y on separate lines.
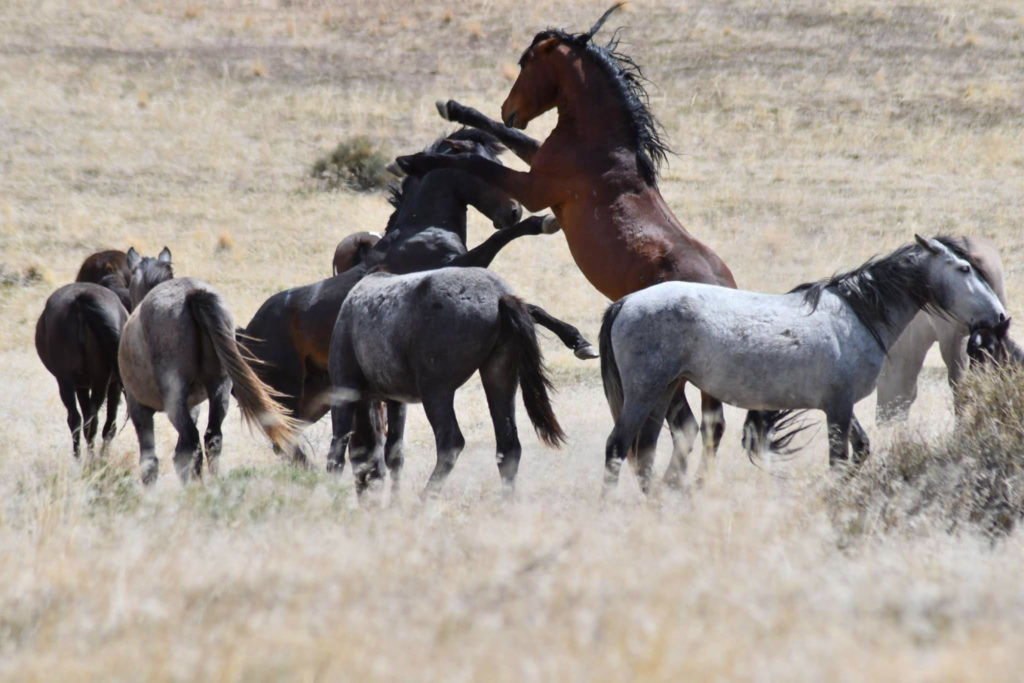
column 418, row 338
column 178, row 349
column 820, row 346
column 77, row 337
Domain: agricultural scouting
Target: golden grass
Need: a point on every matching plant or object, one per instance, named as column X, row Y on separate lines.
column 810, row 136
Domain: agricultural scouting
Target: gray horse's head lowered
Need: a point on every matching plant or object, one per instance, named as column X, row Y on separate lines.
column 147, row 273
column 956, row 287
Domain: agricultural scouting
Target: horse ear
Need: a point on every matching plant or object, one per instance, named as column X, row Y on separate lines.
column 460, row 146
column 1002, row 328
column 132, row 258
column 165, row 256
column 546, row 45
column 928, row 243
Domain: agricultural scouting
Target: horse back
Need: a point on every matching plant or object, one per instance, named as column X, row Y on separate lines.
column 102, row 264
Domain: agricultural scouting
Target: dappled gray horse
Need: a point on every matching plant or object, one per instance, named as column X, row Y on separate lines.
column 178, row 349
column 820, row 346
column 897, row 383
column 419, row 337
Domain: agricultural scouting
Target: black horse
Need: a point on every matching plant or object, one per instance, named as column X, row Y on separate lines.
column 291, row 332
column 76, row 338
column 993, row 345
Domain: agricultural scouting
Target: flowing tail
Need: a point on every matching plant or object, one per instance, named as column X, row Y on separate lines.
column 517, row 328
column 255, row 399
column 774, row 431
column 609, row 369
column 107, row 330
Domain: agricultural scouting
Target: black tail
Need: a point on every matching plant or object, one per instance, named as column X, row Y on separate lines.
column 776, row 429
column 609, row 369
column 517, row 328
column 107, row 329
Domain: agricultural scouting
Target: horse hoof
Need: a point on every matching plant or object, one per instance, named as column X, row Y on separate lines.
column 442, row 109
column 149, row 471
column 549, row 227
column 395, row 170
column 586, row 352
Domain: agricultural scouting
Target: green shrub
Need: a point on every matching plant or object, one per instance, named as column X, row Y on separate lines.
column 355, row 164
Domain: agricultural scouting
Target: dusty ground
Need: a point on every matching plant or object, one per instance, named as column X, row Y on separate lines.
column 809, row 137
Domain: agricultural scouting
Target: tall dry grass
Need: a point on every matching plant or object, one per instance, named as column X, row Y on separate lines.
column 809, row 136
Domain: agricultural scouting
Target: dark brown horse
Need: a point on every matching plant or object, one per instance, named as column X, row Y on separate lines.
column 76, row 338
column 597, row 171
column 108, row 268
column 353, row 250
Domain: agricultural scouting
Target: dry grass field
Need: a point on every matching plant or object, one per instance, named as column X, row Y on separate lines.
column 809, row 136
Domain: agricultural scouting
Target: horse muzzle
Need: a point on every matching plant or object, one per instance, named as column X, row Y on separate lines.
column 508, row 218
column 512, row 122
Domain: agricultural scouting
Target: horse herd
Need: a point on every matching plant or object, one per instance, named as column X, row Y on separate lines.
column 411, row 315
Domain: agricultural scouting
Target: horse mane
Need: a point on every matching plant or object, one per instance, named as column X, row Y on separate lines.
column 869, row 288
column 628, row 80
column 487, row 145
column 154, row 272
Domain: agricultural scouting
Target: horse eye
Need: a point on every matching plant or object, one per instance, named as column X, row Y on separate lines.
column 964, row 269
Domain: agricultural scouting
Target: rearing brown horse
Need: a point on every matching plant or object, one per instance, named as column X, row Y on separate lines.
column 598, row 172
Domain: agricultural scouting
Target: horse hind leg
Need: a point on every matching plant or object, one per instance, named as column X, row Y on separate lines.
column 67, row 397
column 219, row 394
column 624, row 435
column 187, row 450
column 110, row 425
column 365, row 447
column 646, row 446
column 142, row 420
column 440, row 409
column 88, row 403
column 500, row 379
column 683, row 427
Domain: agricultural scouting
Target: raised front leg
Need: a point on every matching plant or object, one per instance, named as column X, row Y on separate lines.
column 532, row 191
column 569, row 334
column 481, row 255
column 521, row 144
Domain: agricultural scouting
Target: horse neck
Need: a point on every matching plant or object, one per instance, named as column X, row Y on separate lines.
column 435, row 204
column 589, row 104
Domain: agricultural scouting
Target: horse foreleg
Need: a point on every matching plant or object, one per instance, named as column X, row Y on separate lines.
column 342, row 415
column 521, row 144
column 839, row 419
column 712, row 426
column 67, row 397
column 440, row 409
column 954, row 355
column 481, row 255
column 533, row 191
column 569, row 335
column 683, row 427
column 213, row 440
column 859, row 440
column 142, row 420
column 393, row 456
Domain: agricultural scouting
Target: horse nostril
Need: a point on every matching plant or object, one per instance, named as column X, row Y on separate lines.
column 1002, row 317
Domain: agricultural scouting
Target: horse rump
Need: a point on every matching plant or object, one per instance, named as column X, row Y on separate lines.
column 92, row 314
column 255, row 399
column 517, row 327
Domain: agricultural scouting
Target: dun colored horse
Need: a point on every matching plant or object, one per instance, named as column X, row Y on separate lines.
column 291, row 332
column 76, row 338
column 897, row 384
column 597, row 171
column 178, row 349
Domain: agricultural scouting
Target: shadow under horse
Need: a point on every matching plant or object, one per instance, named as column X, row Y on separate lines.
column 291, row 332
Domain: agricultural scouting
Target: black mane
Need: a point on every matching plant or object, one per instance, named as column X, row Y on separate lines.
column 628, row 79
column 870, row 288
column 485, row 144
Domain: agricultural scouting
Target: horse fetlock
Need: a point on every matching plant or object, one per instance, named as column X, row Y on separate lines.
column 188, row 465
column 585, row 351
column 149, row 469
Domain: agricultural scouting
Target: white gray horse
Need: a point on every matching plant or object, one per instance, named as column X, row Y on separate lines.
column 177, row 350
column 418, row 338
column 820, row 346
column 897, row 383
